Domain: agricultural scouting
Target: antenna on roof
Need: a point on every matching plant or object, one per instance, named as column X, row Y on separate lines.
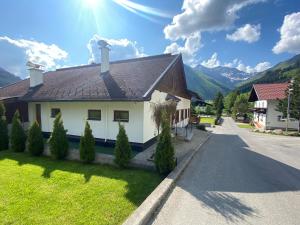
column 103, row 44
column 34, row 65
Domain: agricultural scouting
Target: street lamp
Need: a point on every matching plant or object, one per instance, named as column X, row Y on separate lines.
column 288, row 106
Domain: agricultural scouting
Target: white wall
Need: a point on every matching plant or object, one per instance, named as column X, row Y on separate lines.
column 272, row 117
column 140, row 128
column 74, row 115
column 150, row 130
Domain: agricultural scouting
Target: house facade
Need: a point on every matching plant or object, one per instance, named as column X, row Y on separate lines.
column 266, row 98
column 103, row 94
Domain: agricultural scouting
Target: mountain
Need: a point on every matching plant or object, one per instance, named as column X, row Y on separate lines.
column 202, row 84
column 281, row 72
column 229, row 77
column 7, row 78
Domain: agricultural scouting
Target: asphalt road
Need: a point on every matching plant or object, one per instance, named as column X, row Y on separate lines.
column 238, row 177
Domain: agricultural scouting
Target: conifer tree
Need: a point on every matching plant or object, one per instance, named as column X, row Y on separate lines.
column 35, row 140
column 58, row 141
column 3, row 129
column 164, row 156
column 87, row 145
column 18, row 136
column 122, row 148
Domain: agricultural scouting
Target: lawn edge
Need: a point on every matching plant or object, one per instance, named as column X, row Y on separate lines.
column 146, row 210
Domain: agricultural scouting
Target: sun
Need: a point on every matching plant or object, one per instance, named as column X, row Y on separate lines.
column 90, row 3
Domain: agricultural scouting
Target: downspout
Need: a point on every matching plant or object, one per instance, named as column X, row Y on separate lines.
column 106, row 122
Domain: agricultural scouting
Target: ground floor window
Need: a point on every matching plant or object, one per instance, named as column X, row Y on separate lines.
column 121, row 116
column 94, row 114
column 54, row 112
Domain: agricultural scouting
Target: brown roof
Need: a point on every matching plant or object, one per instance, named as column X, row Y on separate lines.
column 131, row 79
column 268, row 91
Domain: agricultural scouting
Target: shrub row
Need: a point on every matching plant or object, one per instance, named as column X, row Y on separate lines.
column 59, row 145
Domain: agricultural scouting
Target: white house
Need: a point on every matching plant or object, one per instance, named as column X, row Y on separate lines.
column 265, row 98
column 103, row 94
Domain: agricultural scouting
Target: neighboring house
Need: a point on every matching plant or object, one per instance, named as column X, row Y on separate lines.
column 104, row 95
column 265, row 98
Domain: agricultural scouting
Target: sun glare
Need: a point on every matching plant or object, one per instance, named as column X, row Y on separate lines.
column 91, row 3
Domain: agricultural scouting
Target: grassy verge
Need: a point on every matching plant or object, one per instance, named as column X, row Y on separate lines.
column 244, row 125
column 210, row 120
column 39, row 190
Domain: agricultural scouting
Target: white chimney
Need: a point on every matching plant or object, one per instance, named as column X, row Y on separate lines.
column 35, row 74
column 104, row 56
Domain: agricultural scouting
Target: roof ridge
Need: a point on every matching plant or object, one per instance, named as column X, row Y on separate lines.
column 117, row 61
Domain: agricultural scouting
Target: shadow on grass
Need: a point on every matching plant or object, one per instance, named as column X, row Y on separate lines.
column 140, row 183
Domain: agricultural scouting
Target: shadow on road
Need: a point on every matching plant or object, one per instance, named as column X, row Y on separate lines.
column 227, row 165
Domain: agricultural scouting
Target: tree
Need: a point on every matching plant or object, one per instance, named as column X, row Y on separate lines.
column 58, row 141
column 294, row 101
column 35, row 140
column 219, row 104
column 156, row 115
column 164, row 155
column 3, row 129
column 229, row 101
column 208, row 110
column 122, row 148
column 87, row 145
column 169, row 108
column 241, row 105
column 18, row 136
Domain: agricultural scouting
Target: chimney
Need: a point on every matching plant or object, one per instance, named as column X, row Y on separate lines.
column 104, row 55
column 35, row 74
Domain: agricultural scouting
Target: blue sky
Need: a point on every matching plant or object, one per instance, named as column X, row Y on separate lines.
column 251, row 35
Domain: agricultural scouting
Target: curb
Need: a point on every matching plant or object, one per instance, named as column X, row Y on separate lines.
column 146, row 210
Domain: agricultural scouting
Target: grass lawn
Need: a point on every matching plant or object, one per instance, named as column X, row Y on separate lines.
column 39, row 190
column 244, row 125
column 210, row 120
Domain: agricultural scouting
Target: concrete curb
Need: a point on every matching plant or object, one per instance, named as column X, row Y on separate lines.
column 146, row 210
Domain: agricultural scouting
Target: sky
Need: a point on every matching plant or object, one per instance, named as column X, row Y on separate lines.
column 251, row 35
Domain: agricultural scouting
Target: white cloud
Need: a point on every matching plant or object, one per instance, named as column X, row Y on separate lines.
column 191, row 46
column 38, row 52
column 238, row 64
column 289, row 35
column 120, row 49
column 212, row 62
column 249, row 33
column 204, row 15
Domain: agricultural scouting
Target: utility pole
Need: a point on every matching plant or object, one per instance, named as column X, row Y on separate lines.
column 288, row 106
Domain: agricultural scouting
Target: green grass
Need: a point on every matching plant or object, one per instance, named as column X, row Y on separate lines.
column 244, row 125
column 39, row 190
column 210, row 120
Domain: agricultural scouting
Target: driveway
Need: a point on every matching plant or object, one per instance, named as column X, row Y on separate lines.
column 238, row 177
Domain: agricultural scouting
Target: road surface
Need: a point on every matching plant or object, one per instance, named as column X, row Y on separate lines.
column 238, row 177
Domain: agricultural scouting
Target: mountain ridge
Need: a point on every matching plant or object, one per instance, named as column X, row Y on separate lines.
column 7, row 78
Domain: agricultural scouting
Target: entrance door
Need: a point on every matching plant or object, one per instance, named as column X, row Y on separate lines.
column 38, row 114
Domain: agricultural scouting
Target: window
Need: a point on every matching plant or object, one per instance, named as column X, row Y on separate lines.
column 94, row 114
column 182, row 114
column 122, row 116
column 54, row 112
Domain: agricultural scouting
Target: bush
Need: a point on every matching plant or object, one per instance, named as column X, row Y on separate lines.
column 58, row 141
column 164, row 156
column 122, row 148
column 217, row 120
column 35, row 140
column 3, row 129
column 18, row 136
column 87, row 145
column 201, row 127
